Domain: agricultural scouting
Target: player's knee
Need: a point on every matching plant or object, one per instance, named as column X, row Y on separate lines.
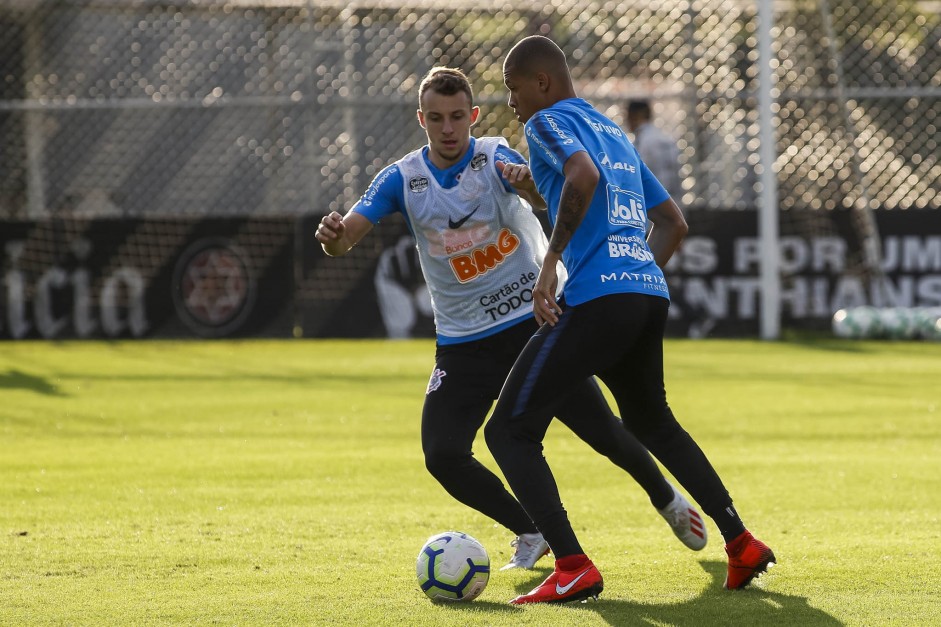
column 659, row 431
column 497, row 436
column 442, row 461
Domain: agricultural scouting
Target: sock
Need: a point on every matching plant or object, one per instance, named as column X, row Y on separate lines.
column 663, row 497
column 734, row 546
column 571, row 562
column 729, row 523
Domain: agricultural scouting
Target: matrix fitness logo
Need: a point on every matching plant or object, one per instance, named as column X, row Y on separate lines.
column 213, row 287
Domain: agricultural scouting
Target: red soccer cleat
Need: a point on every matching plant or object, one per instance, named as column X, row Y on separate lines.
column 748, row 558
column 563, row 586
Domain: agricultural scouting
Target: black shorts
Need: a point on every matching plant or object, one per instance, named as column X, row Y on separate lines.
column 618, row 338
column 466, row 380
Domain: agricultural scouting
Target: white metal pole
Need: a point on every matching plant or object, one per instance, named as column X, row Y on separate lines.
column 770, row 322
column 33, row 124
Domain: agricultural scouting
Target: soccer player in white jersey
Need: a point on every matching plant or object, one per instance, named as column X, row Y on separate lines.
column 480, row 247
column 600, row 196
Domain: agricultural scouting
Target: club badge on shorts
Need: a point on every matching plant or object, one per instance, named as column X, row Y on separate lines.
column 435, row 381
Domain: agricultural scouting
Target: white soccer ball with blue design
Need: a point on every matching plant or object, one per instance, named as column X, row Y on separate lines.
column 452, row 566
column 929, row 322
column 898, row 323
column 857, row 322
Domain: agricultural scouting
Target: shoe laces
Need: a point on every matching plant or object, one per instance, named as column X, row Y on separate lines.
column 523, row 547
column 675, row 514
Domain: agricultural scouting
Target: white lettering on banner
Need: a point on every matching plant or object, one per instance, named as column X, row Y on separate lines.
column 716, row 278
column 910, row 253
column 122, row 291
column 52, row 279
column 697, row 255
column 111, row 320
column 802, row 297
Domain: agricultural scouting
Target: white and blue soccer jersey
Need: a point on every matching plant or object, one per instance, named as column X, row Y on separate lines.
column 480, row 245
column 608, row 253
column 386, row 194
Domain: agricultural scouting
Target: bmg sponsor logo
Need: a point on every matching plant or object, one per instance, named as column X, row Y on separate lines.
column 626, row 208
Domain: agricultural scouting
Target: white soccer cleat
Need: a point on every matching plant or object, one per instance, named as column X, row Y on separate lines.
column 685, row 521
column 529, row 548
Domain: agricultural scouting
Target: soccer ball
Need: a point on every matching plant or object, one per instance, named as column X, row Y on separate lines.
column 898, row 323
column 928, row 322
column 452, row 566
column 857, row 322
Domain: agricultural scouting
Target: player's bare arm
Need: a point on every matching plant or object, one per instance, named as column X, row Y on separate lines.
column 581, row 178
column 338, row 234
column 519, row 176
column 669, row 229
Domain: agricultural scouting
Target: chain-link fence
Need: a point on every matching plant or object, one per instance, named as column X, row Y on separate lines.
column 163, row 115
column 146, row 108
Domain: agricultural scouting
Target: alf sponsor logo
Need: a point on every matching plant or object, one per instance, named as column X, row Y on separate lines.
column 605, row 161
column 469, row 266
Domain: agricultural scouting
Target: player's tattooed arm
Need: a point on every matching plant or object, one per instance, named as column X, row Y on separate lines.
column 572, row 207
column 581, row 178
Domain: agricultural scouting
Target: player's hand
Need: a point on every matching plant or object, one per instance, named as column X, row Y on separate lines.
column 518, row 175
column 545, row 307
column 330, row 229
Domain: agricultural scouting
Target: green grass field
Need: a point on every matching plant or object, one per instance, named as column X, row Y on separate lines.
column 282, row 483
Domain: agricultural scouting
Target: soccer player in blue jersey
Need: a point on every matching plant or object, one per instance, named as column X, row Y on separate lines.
column 480, row 248
column 611, row 324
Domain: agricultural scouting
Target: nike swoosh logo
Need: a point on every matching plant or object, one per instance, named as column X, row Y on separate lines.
column 456, row 225
column 560, row 590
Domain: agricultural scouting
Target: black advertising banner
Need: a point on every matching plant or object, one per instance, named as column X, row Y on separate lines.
column 715, row 281
column 246, row 277
column 138, row 278
column 377, row 289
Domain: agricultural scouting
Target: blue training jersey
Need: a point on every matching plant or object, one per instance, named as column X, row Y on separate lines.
column 608, row 253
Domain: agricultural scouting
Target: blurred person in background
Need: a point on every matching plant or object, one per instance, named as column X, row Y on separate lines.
column 656, row 148
column 469, row 203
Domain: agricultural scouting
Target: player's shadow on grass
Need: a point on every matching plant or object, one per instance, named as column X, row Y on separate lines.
column 715, row 606
column 16, row 380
